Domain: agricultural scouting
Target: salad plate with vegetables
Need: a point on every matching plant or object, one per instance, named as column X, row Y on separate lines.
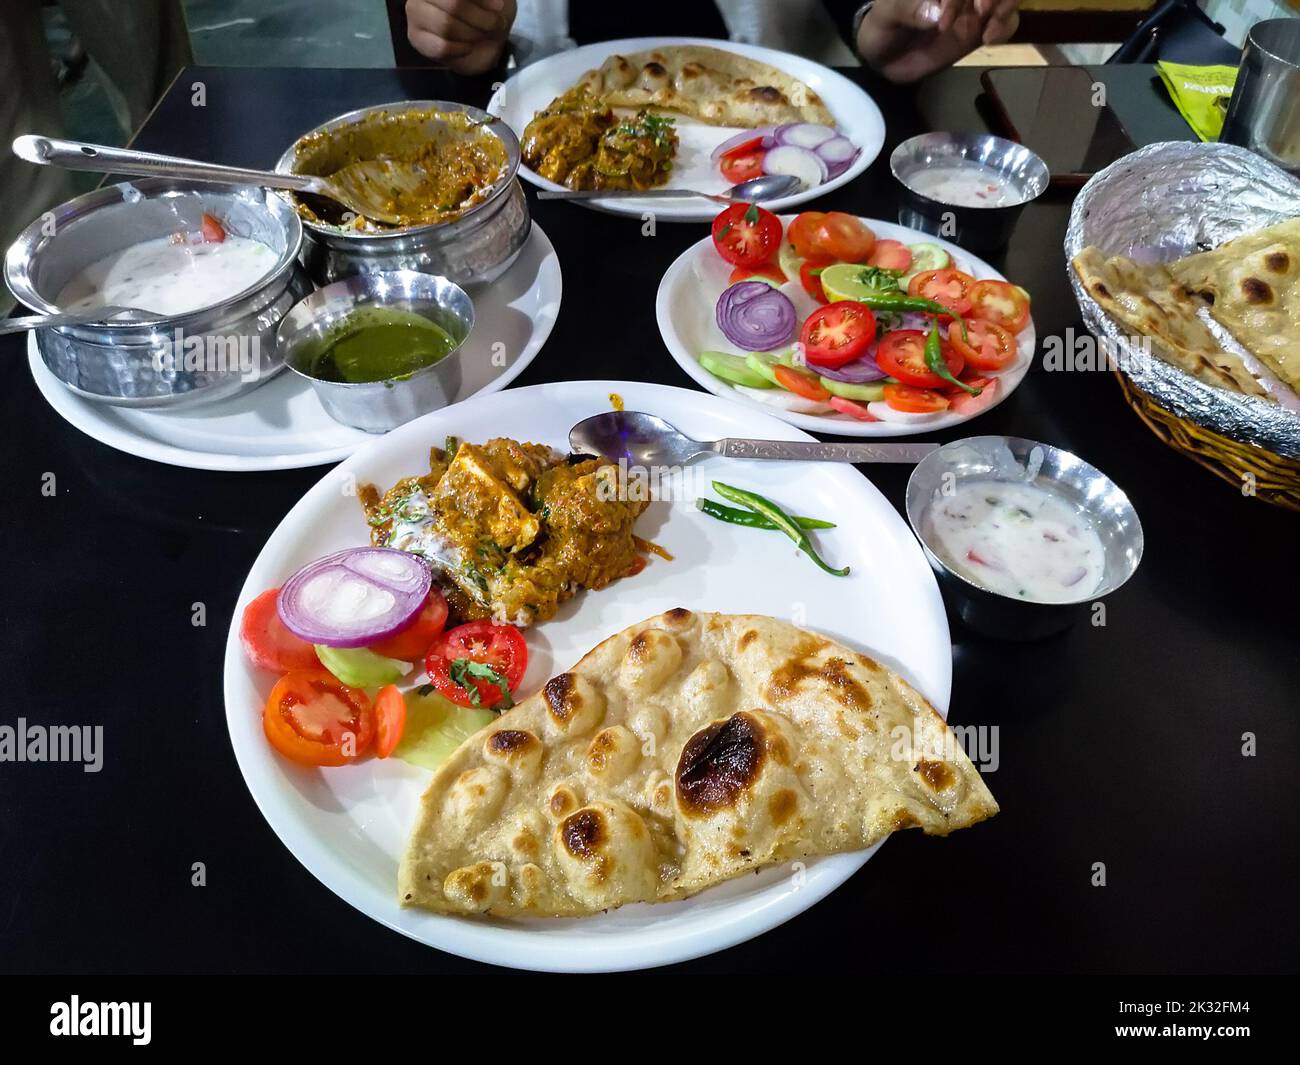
column 844, row 325
column 353, row 668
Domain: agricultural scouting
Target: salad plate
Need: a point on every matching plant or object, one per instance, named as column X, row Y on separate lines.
column 281, row 425
column 349, row 825
column 687, row 305
column 854, row 113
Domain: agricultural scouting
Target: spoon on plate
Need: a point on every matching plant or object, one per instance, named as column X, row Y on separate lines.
column 767, row 187
column 91, row 316
column 646, row 440
column 365, row 187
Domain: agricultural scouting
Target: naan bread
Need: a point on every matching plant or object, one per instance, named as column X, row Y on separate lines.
column 1252, row 286
column 1150, row 301
column 678, row 753
column 716, row 86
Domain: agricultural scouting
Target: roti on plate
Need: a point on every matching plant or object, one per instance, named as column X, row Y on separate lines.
column 713, row 85
column 683, row 751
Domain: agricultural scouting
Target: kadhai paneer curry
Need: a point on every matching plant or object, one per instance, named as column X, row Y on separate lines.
column 512, row 529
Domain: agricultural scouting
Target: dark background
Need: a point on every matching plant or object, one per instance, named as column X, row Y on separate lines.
column 1119, row 744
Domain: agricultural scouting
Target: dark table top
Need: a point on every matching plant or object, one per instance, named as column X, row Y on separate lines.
column 1119, row 745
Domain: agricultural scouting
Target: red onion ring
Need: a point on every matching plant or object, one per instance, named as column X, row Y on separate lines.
column 861, row 371
column 755, row 316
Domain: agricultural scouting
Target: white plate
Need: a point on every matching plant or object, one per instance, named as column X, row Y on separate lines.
column 282, row 425
column 348, row 826
column 686, row 311
column 534, row 87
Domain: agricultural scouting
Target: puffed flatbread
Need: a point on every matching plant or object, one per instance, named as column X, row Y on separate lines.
column 1252, row 287
column 713, row 85
column 685, row 750
column 1152, row 302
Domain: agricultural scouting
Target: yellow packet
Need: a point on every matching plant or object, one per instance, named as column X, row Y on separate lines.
column 1201, row 95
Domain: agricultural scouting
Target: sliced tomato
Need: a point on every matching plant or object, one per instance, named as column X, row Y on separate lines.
column 268, row 643
column 986, row 345
column 837, row 333
column 743, row 163
column 746, row 235
column 314, row 719
column 890, row 255
column 901, row 354
column 800, row 233
column 499, row 647
column 800, row 383
column 852, row 408
column 949, row 287
column 1000, row 302
column 966, row 377
column 843, row 237
column 915, row 400
column 965, row 403
column 390, row 720
column 411, row 644
column 213, row 231
column 812, row 284
column 748, row 273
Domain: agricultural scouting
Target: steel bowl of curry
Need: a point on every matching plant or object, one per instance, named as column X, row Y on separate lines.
column 446, row 169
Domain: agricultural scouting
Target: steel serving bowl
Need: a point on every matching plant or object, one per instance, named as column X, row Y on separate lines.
column 1010, row 458
column 976, row 228
column 478, row 246
column 179, row 361
column 378, row 406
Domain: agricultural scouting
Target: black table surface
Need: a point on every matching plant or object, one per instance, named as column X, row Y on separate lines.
column 1120, row 744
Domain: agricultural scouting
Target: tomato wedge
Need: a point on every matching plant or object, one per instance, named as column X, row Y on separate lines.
column 914, row 400
column 390, row 720
column 812, row 284
column 748, row 273
column 746, row 235
column 213, row 231
column 837, row 333
column 455, row 663
column 800, row 383
column 948, row 287
column 852, row 408
column 314, row 719
column 890, row 255
column 742, row 163
column 268, row 643
column 800, row 233
column 412, row 642
column 901, row 354
column 843, row 237
column 1000, row 302
column 986, row 346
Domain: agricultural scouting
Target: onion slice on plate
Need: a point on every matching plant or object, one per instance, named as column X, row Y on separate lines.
column 861, row 371
column 803, row 163
column 755, row 316
column 355, row 597
column 768, row 133
column 804, row 134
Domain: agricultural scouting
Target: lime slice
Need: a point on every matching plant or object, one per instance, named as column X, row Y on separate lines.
column 843, row 281
column 789, row 261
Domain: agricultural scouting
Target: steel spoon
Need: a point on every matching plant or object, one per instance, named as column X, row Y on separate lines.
column 93, row 316
column 351, row 187
column 646, row 440
column 767, row 187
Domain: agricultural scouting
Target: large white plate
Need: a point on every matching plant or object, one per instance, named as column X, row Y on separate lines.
column 282, row 425
column 686, row 311
column 855, row 113
column 348, row 826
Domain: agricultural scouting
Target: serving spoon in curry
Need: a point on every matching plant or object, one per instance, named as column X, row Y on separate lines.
column 366, row 187
column 646, row 440
column 755, row 190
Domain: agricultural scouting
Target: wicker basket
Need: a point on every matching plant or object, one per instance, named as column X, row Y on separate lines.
column 1277, row 479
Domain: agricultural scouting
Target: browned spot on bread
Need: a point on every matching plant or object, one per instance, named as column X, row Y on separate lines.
column 903, row 819
column 477, row 890
column 1207, row 295
column 844, row 687
column 677, row 616
column 781, row 805
column 584, row 833
column 1256, row 291
column 1277, row 261
column 787, row 678
column 1100, row 290
column 561, row 696
column 510, row 740
column 938, row 775
column 655, row 70
column 602, row 746
column 525, row 842
column 746, row 638
column 767, row 94
column 562, row 801
column 719, row 763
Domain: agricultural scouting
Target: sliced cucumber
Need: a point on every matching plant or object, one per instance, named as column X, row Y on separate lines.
column 764, row 363
column 789, row 260
column 733, row 369
column 360, row 667
column 926, row 256
column 435, row 727
column 867, row 393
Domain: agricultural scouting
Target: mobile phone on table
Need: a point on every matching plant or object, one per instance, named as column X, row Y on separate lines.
column 1058, row 113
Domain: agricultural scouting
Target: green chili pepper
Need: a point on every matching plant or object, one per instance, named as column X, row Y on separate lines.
column 779, row 518
column 751, row 518
column 899, row 303
column 934, row 361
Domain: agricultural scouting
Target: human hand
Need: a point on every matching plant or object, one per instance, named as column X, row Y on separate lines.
column 466, row 36
column 908, row 39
